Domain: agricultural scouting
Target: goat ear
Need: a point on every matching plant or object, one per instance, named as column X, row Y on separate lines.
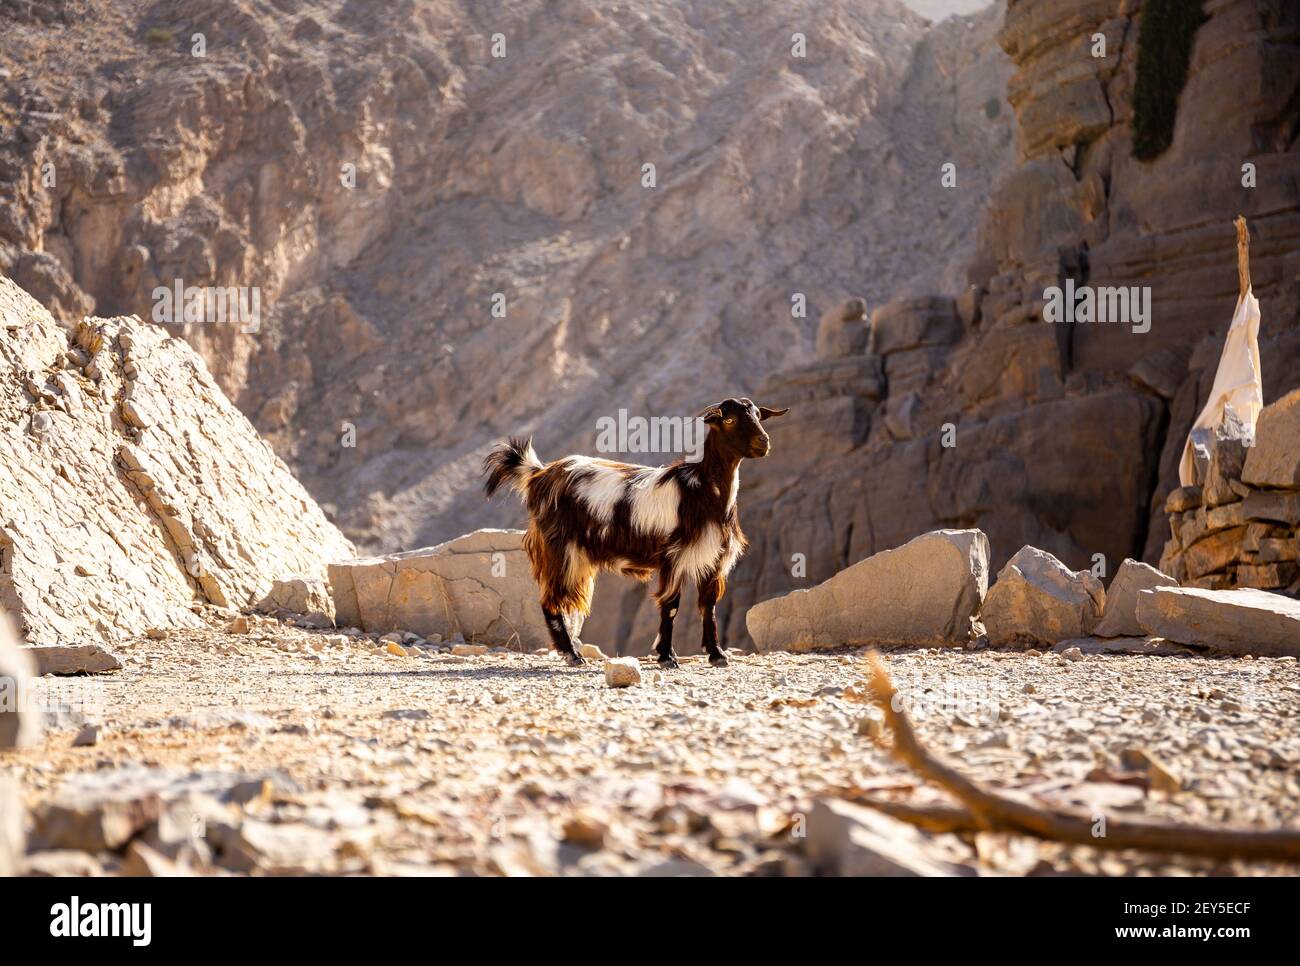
column 765, row 413
column 712, row 415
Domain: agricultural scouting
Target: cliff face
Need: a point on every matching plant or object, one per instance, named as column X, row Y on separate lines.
column 1064, row 436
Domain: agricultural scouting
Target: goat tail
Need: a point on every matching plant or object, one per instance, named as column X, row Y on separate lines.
column 510, row 463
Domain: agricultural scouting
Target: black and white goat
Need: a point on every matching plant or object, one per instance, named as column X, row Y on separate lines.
column 678, row 521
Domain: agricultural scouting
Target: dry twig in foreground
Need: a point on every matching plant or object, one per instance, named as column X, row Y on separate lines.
column 997, row 812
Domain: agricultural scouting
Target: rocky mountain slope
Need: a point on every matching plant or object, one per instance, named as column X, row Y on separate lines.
column 379, row 369
column 132, row 492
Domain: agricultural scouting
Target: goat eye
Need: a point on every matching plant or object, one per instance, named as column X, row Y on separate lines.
column 729, row 421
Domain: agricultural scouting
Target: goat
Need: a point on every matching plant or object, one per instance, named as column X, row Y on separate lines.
column 586, row 515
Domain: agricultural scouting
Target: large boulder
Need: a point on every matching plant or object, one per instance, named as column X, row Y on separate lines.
column 1242, row 621
column 132, row 487
column 927, row 591
column 1119, row 615
column 479, row 585
column 1037, row 599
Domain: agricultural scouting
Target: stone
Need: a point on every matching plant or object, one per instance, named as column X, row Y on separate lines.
column 141, row 860
column 592, row 652
column 1281, row 506
column 1227, row 455
column 1072, row 654
column 238, row 625
column 1119, row 615
column 1037, row 599
column 1214, row 552
column 19, row 725
column 1183, row 499
column 843, row 331
column 88, row 736
column 305, row 598
column 290, row 848
column 74, row 659
column 1266, row 576
column 1150, row 646
column 849, row 840
column 469, row 650
column 62, row 863
column 622, row 672
column 1274, row 460
column 1160, row 777
column 479, row 585
column 927, row 591
column 94, row 823
column 586, row 828
column 13, row 836
column 154, row 493
column 1278, row 550
column 1226, row 515
column 1243, row 621
column 911, row 323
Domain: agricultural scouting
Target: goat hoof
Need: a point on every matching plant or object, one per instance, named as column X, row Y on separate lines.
column 668, row 663
column 718, row 660
column 574, row 660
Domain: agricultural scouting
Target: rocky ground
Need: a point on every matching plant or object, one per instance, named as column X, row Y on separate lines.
column 284, row 749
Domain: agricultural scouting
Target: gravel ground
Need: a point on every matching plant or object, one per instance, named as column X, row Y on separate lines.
column 512, row 763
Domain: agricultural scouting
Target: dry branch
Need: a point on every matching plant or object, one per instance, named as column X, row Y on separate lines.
column 1243, row 256
column 994, row 811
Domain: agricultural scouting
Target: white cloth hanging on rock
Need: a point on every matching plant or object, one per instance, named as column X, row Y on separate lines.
column 1237, row 382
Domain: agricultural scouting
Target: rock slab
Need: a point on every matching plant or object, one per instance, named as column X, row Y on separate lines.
column 1242, row 621
column 70, row 659
column 927, row 591
column 479, row 586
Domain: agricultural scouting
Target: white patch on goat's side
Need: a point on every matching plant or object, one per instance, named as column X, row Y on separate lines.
column 735, row 489
column 601, row 491
column 698, row 557
column 654, row 503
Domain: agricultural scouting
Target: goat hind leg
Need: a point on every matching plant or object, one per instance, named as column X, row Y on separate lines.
column 560, row 638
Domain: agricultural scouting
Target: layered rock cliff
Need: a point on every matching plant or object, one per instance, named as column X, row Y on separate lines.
column 968, row 409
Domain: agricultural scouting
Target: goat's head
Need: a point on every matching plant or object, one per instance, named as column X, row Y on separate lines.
column 737, row 426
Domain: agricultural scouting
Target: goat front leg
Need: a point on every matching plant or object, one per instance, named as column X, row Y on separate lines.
column 561, row 639
column 664, row 642
column 711, row 590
